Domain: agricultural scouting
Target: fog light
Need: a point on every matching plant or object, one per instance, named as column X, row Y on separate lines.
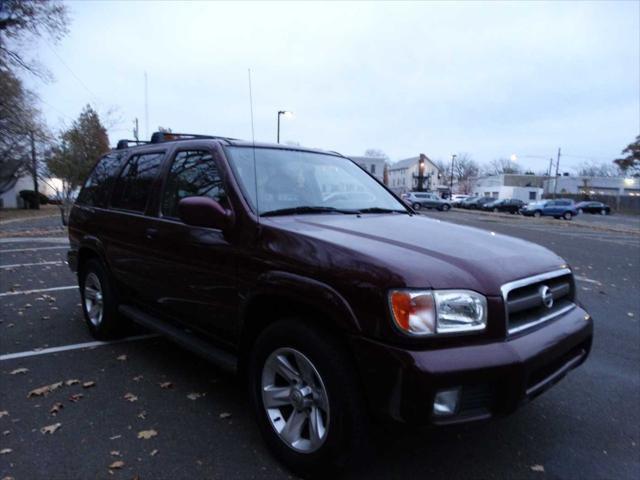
column 445, row 402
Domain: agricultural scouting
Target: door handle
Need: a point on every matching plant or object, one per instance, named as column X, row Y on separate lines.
column 151, row 233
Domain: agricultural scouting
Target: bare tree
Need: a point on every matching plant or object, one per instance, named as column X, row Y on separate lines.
column 501, row 166
column 595, row 169
column 375, row 153
column 22, row 22
column 465, row 170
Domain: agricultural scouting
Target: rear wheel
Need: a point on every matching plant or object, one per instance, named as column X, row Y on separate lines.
column 417, row 206
column 567, row 215
column 446, row 207
column 580, row 211
column 99, row 302
column 495, row 210
column 537, row 214
column 306, row 398
column 603, row 212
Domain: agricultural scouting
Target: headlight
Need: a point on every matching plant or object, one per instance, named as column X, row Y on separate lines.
column 426, row 312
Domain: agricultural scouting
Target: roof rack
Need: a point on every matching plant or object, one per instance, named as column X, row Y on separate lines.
column 159, row 137
column 122, row 144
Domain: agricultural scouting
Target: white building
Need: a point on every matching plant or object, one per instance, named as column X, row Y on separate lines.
column 10, row 197
column 527, row 188
column 402, row 175
column 373, row 165
column 614, row 186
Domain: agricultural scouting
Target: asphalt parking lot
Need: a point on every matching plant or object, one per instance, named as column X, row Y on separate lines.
column 164, row 413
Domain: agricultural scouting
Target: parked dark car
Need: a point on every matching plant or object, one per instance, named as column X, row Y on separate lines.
column 335, row 310
column 467, row 201
column 593, row 207
column 478, row 203
column 511, row 205
column 551, row 208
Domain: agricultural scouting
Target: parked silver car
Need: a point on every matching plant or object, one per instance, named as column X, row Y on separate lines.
column 418, row 200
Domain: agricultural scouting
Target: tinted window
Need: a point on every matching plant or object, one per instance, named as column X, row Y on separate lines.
column 193, row 173
column 132, row 189
column 96, row 188
column 563, row 202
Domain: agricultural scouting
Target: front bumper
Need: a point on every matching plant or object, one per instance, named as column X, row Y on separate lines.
column 495, row 378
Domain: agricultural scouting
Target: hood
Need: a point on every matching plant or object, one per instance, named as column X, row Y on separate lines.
column 415, row 251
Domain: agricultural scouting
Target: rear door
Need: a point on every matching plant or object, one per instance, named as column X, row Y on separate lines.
column 127, row 228
column 197, row 265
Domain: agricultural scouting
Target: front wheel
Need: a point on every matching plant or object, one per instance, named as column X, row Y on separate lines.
column 603, row 212
column 495, row 210
column 305, row 396
column 446, row 207
column 537, row 214
column 567, row 215
column 417, row 206
column 580, row 211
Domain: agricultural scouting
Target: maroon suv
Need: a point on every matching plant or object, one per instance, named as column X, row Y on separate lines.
column 335, row 301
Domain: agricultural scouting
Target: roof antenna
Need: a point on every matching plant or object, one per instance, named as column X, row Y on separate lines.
column 253, row 141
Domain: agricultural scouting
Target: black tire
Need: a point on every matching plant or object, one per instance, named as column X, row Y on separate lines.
column 603, row 212
column 417, row 206
column 347, row 439
column 537, row 214
column 495, row 210
column 446, row 207
column 580, row 211
column 112, row 324
column 567, row 215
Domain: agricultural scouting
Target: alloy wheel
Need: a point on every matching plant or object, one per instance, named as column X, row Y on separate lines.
column 93, row 299
column 295, row 400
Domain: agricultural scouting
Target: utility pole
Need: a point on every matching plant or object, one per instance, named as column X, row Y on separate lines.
column 34, row 167
column 146, row 107
column 453, row 158
column 555, row 182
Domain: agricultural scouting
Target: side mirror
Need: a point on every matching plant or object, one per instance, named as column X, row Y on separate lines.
column 203, row 212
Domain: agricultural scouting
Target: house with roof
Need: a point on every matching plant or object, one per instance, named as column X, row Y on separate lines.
column 403, row 175
column 373, row 165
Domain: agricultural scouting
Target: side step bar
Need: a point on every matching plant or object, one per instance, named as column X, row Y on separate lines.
column 214, row 354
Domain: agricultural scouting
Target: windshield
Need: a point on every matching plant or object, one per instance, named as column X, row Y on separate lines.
column 292, row 181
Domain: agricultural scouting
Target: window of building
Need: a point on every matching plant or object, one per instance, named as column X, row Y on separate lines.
column 193, row 174
column 96, row 188
column 373, row 168
column 533, row 195
column 494, row 194
column 133, row 187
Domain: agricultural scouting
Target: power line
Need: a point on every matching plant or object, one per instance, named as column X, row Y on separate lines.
column 95, row 97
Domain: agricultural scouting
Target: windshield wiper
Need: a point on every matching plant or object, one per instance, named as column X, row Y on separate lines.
column 306, row 209
column 381, row 210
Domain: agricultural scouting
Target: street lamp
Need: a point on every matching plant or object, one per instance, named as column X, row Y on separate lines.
column 286, row 115
column 453, row 158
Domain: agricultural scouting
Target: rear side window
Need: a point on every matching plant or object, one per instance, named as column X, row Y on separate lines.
column 133, row 187
column 96, row 188
column 193, row 173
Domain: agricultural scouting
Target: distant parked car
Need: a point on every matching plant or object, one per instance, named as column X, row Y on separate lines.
column 467, row 201
column 479, row 202
column 511, row 205
column 593, row 207
column 418, row 200
column 551, row 208
column 456, row 200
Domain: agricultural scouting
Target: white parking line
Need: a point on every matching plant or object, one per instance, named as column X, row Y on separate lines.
column 76, row 346
column 16, row 265
column 40, row 290
column 32, row 249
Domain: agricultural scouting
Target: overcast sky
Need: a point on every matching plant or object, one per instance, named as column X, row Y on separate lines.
column 490, row 79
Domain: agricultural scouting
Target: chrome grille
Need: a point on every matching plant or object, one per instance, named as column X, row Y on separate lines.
column 525, row 299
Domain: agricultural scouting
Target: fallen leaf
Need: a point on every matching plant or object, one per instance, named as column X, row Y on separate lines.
column 142, row 415
column 116, row 465
column 153, row 452
column 4, row 413
column 194, row 396
column 44, row 391
column 166, row 385
column 138, row 378
column 537, row 468
column 115, row 453
column 630, row 314
column 225, row 415
column 88, row 384
column 4, row 451
column 6, row 432
column 122, row 358
column 130, row 397
column 115, row 437
column 72, row 381
column 56, row 408
column 147, row 434
column 50, row 428
column 75, row 397
column 19, row 370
